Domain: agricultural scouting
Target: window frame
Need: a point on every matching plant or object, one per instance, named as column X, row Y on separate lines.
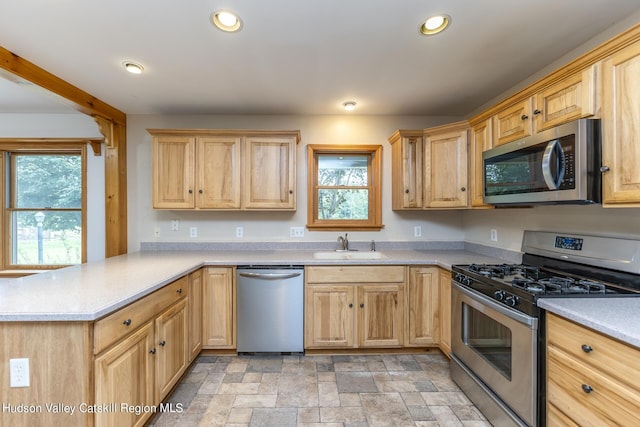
column 45, row 147
column 374, row 222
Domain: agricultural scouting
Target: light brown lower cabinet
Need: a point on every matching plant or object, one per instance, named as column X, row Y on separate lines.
column 354, row 306
column 195, row 314
column 592, row 379
column 444, row 278
column 140, row 369
column 218, row 308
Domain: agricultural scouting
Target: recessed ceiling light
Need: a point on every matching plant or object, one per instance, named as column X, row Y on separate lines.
column 133, row 67
column 435, row 24
column 226, row 21
column 349, row 105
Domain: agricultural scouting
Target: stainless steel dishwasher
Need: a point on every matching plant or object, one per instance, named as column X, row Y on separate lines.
column 270, row 305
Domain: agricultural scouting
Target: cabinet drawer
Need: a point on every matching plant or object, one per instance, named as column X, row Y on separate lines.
column 607, row 402
column 355, row 274
column 110, row 329
column 608, row 355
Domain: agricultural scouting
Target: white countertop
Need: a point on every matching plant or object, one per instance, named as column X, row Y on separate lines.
column 90, row 291
column 617, row 317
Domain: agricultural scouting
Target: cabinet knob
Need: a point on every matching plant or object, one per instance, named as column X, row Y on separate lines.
column 463, row 189
column 587, row 388
column 350, row 305
column 179, row 291
column 524, row 117
column 200, row 191
column 290, row 191
column 152, row 351
column 587, row 348
column 406, row 191
column 361, row 305
column 190, row 191
column 604, row 169
column 127, row 322
column 162, row 343
column 536, row 112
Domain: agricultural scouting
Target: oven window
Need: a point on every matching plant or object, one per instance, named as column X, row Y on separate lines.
column 487, row 337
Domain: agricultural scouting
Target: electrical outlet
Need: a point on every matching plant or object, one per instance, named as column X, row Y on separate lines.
column 19, row 372
column 494, row 235
column 239, row 232
column 417, row 231
column 296, row 231
column 193, row 232
column 175, row 224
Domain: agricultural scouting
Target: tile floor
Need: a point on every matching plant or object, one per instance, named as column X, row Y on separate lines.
column 320, row 391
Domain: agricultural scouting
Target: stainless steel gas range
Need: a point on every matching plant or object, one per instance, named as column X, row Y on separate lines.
column 498, row 339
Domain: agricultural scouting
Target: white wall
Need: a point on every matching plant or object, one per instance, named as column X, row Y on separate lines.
column 72, row 125
column 274, row 226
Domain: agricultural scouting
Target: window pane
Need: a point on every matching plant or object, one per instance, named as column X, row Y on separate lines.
column 343, row 204
column 58, row 241
column 342, row 170
column 48, row 181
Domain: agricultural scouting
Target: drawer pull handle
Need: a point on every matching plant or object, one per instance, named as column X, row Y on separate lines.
column 179, row 291
column 162, row 343
column 361, row 305
column 524, row 117
column 536, row 112
column 587, row 388
column 587, row 348
column 152, row 351
column 127, row 322
column 350, row 305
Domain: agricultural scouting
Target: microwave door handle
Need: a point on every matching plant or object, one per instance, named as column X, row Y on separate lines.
column 553, row 152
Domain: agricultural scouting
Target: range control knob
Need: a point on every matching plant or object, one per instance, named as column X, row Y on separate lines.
column 499, row 295
column 511, row 300
column 467, row 281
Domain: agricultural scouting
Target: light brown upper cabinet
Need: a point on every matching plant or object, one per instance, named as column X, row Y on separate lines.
column 571, row 98
column 224, row 169
column 621, row 128
column 429, row 167
column 445, row 166
column 481, row 139
column 406, row 169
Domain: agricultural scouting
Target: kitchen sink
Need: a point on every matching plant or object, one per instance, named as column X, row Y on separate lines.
column 348, row 255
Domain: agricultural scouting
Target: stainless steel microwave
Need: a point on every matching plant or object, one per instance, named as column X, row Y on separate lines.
column 558, row 165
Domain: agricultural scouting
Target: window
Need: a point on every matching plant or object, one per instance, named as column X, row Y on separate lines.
column 344, row 187
column 43, row 205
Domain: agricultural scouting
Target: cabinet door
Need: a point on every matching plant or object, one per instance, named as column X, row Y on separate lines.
column 381, row 315
column 218, row 308
column 569, row 99
column 171, row 344
column 621, row 128
column 423, row 307
column 445, row 180
column 407, row 172
column 445, row 311
column 195, row 314
column 513, row 123
column 173, row 172
column 269, row 173
column 219, row 172
column 125, row 374
column 329, row 316
column 480, row 141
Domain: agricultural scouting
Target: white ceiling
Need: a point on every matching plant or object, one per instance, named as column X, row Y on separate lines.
column 294, row 56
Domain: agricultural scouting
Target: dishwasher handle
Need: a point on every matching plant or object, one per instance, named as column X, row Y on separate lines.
column 270, row 276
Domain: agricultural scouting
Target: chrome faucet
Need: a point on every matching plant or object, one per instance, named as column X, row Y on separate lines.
column 343, row 242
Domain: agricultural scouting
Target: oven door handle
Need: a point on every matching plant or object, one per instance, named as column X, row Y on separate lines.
column 522, row 318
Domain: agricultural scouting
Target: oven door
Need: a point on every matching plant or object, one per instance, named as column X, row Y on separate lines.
column 499, row 346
